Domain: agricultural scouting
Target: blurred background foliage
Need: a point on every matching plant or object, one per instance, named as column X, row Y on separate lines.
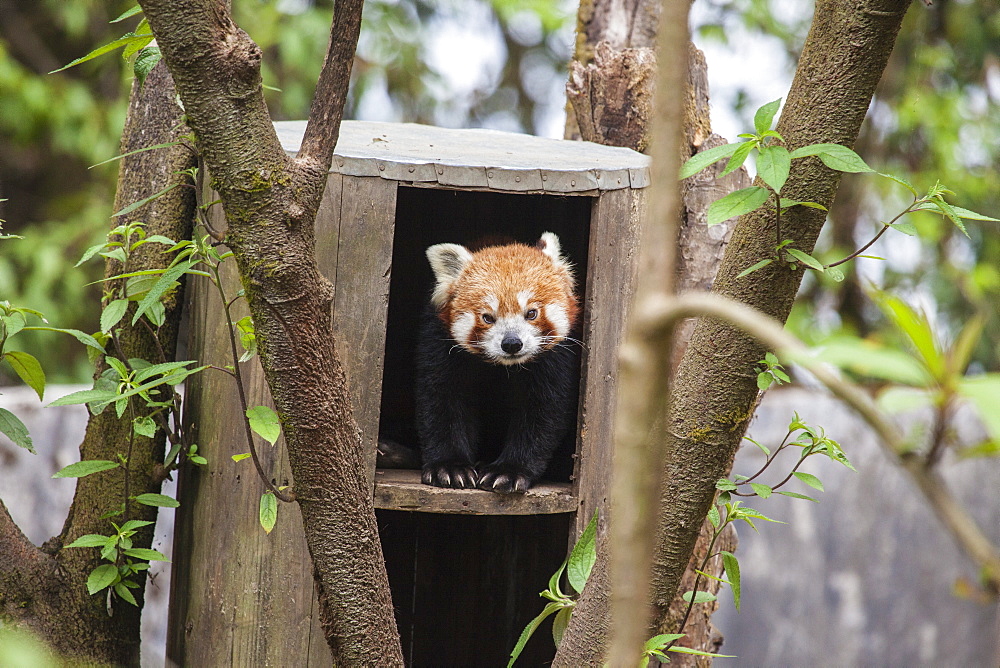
column 502, row 64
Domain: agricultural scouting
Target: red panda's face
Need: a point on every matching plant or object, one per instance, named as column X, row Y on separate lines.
column 504, row 303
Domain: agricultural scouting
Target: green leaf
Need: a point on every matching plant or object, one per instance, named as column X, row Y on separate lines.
column 129, row 38
column 103, row 576
column 809, row 479
column 796, row 495
column 764, row 381
column 144, row 426
column 85, row 468
column 916, row 327
column 902, row 182
column 805, row 258
column 687, row 650
column 581, row 559
column 92, row 540
column 135, row 205
column 85, row 339
column 835, row 157
column 241, row 457
column 559, row 624
column 158, row 500
column 874, row 360
column 984, row 392
column 732, row 567
column 128, row 13
column 145, row 62
column 112, row 314
column 773, row 165
column 530, row 629
column 162, row 285
column 124, row 594
column 143, row 553
column 28, row 368
column 764, row 117
column 971, row 215
column 700, row 161
column 699, row 597
column 754, row 267
column 984, row 449
column 835, row 273
column 736, row 204
column 763, row 491
column 85, row 397
column 661, row 641
column 763, row 447
column 132, row 525
column 725, row 485
column 786, row 203
column 265, row 423
column 739, row 156
column 268, row 511
column 12, row 427
column 713, row 516
column 89, row 253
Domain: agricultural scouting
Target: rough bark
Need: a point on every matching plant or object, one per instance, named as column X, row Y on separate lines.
column 715, row 391
column 612, row 100
column 270, row 201
column 625, row 24
column 45, row 589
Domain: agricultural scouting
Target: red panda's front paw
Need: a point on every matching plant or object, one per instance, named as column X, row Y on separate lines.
column 505, row 479
column 454, row 475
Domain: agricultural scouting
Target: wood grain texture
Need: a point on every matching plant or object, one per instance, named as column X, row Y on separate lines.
column 269, row 612
column 361, row 302
column 614, row 230
column 401, row 489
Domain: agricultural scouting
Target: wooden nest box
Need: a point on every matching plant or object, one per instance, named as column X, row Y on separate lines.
column 465, row 566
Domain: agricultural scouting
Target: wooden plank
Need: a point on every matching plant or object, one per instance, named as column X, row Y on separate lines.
column 611, row 273
column 401, row 489
column 464, row 158
column 255, row 604
column 364, row 262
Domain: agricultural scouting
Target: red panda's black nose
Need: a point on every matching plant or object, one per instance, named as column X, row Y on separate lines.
column 511, row 344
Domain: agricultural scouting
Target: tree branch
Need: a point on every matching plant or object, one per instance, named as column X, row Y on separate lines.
column 715, row 389
column 327, row 108
column 270, row 203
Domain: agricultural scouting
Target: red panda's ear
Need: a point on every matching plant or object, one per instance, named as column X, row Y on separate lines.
column 447, row 262
column 549, row 245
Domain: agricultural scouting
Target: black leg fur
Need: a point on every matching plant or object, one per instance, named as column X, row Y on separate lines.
column 463, row 402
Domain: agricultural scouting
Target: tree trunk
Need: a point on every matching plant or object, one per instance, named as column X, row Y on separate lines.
column 611, row 102
column 715, row 391
column 270, row 202
column 45, row 590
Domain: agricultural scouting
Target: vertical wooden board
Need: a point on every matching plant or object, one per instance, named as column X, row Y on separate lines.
column 611, row 275
column 328, row 228
column 244, row 597
column 364, row 263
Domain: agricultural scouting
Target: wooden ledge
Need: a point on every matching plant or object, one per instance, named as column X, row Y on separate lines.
column 401, row 489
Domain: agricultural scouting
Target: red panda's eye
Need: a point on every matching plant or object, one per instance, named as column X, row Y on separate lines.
column 489, row 319
column 531, row 314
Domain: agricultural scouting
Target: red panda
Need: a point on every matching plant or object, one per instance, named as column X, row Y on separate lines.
column 493, row 365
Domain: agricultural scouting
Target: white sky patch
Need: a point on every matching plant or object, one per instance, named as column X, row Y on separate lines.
column 465, row 48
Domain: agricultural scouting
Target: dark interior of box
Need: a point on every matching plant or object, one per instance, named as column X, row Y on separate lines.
column 425, row 217
column 463, row 587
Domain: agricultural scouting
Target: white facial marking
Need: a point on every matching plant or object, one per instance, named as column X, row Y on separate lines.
column 557, row 315
column 523, row 297
column 492, row 302
column 511, row 327
column 461, row 328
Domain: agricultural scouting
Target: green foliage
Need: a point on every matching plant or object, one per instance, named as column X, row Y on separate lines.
column 265, row 423
column 268, row 511
column 771, row 372
column 125, row 560
column 773, row 166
